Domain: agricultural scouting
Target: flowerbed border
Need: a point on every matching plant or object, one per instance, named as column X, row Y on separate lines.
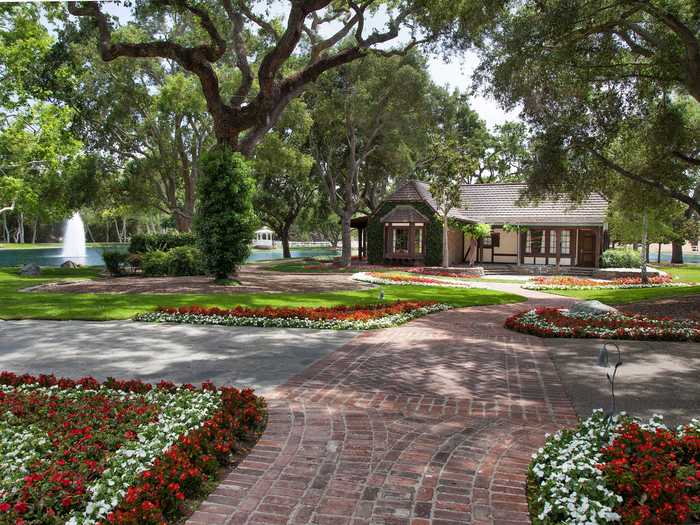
column 368, row 317
column 648, row 329
column 164, row 486
column 445, row 282
column 613, row 469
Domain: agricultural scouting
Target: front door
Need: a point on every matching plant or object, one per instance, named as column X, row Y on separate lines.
column 586, row 248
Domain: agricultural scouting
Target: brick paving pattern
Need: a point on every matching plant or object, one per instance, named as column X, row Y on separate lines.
column 431, row 423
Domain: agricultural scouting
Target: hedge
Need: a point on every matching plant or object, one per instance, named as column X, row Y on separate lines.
column 149, row 242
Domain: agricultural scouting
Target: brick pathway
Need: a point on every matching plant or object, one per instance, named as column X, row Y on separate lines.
column 432, row 423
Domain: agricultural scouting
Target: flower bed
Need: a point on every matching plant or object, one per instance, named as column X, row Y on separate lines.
column 577, row 283
column 438, row 273
column 617, row 471
column 123, row 452
column 405, row 279
column 365, row 317
column 552, row 322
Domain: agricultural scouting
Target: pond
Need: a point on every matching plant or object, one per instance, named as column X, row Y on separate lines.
column 52, row 256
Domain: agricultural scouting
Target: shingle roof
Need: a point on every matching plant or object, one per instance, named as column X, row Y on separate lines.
column 404, row 213
column 498, row 204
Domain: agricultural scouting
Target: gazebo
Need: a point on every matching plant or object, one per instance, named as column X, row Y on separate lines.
column 264, row 238
column 360, row 224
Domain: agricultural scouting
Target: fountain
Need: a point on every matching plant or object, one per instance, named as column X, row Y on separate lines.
column 74, row 240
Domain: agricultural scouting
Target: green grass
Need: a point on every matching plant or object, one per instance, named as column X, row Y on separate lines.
column 627, row 295
column 44, row 245
column 107, row 306
column 688, row 272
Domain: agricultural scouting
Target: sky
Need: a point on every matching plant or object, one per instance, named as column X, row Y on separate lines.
column 454, row 73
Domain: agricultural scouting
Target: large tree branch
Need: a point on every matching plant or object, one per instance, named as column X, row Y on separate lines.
column 11, row 207
column 196, row 59
column 241, row 55
column 675, row 194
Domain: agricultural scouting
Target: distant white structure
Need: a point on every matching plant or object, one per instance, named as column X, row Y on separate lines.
column 264, row 239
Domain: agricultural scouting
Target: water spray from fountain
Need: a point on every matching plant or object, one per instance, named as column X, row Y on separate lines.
column 74, row 240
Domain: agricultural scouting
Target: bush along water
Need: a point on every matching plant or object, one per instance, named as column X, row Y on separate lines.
column 148, row 242
column 225, row 222
column 184, row 260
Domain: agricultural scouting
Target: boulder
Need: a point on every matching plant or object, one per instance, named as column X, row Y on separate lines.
column 31, row 268
column 69, row 264
column 592, row 307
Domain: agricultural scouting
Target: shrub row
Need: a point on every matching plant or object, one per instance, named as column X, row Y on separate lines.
column 620, row 258
column 150, row 242
column 183, row 260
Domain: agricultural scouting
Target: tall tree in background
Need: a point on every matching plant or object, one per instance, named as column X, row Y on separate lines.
column 594, row 79
column 283, row 173
column 448, row 169
column 362, row 112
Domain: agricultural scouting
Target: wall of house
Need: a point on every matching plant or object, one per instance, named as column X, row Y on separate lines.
column 506, row 251
column 455, row 246
column 433, row 233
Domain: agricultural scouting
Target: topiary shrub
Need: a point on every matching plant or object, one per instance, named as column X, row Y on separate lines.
column 115, row 261
column 620, row 258
column 225, row 222
column 148, row 242
column 155, row 263
column 185, row 260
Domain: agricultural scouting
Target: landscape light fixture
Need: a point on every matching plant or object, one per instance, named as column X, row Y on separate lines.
column 604, row 362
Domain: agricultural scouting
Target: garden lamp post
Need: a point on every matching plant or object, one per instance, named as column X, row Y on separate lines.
column 604, row 362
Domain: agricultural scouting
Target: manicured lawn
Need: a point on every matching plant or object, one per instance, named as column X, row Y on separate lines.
column 102, row 307
column 629, row 295
column 687, row 272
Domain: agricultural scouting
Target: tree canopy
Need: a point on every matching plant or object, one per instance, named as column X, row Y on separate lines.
column 609, row 89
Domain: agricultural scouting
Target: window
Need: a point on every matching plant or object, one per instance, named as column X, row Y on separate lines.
column 418, row 241
column 552, row 242
column 400, row 240
column 486, row 241
column 496, row 240
column 566, row 242
column 535, row 241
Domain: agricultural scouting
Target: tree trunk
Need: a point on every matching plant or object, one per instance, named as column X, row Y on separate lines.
column 658, row 255
column 286, row 252
column 6, row 230
column 645, row 252
column 677, row 252
column 35, row 227
column 89, row 232
column 445, row 243
column 346, row 257
column 182, row 223
column 20, row 228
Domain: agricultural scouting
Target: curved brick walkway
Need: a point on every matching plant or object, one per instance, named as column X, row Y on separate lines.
column 432, row 423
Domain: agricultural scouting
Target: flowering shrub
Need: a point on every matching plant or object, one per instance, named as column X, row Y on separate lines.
column 122, row 452
column 552, row 322
column 365, row 317
column 618, row 470
column 578, row 283
column 438, row 273
column 405, row 279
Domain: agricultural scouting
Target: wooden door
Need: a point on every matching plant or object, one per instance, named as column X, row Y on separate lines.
column 586, row 248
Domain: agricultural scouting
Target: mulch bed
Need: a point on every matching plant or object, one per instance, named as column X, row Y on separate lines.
column 252, row 281
column 683, row 307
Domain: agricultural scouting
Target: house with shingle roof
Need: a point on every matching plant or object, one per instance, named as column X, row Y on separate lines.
column 406, row 228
